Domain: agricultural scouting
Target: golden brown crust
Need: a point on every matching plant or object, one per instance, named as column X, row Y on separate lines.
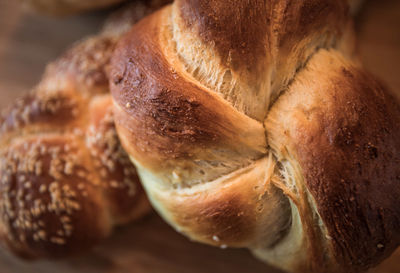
column 199, row 77
column 50, row 206
column 156, row 105
column 80, row 160
column 122, row 190
column 83, row 67
column 28, row 111
column 65, row 180
column 243, row 31
column 226, row 213
column 238, row 29
column 353, row 181
column 256, row 47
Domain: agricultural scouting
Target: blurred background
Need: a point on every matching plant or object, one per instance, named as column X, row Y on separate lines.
column 29, row 41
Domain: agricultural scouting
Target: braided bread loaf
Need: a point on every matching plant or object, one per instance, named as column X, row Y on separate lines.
column 65, row 181
column 252, row 125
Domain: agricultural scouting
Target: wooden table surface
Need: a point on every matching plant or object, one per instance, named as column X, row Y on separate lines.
column 28, row 42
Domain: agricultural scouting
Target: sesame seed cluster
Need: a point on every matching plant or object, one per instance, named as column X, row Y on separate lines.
column 65, row 180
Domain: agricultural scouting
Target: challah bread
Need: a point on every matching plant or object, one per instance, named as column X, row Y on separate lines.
column 65, row 180
column 65, row 7
column 252, row 125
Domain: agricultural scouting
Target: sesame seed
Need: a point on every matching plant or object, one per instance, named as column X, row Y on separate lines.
column 42, row 234
column 114, row 184
column 57, row 241
column 42, row 188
